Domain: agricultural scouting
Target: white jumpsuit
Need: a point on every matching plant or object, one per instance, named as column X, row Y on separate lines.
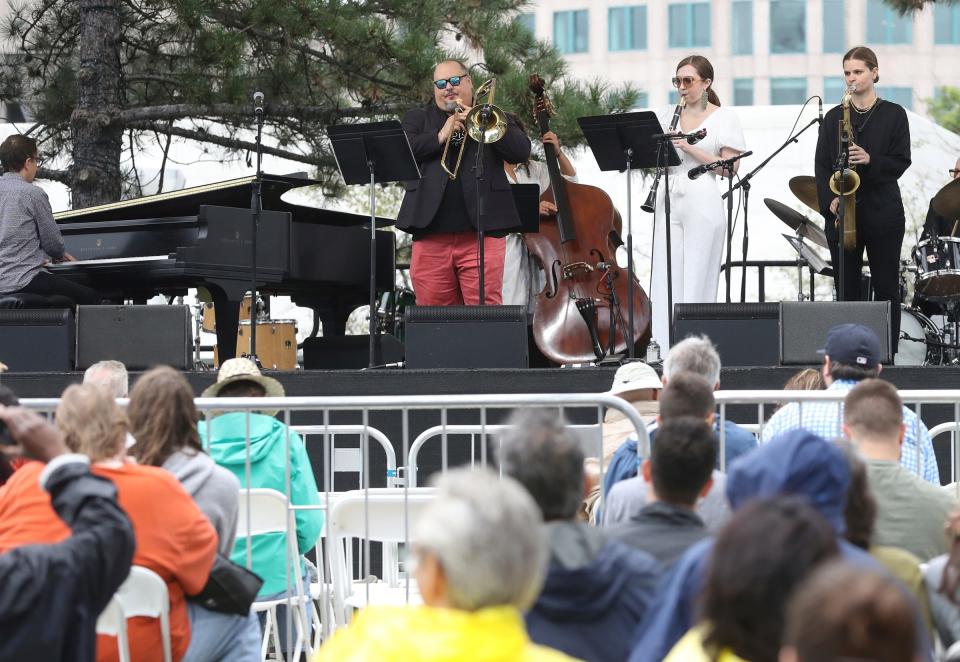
column 697, row 223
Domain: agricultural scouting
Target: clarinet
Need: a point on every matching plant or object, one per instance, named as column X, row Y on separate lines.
column 648, row 206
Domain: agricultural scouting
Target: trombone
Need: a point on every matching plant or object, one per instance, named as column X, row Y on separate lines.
column 489, row 131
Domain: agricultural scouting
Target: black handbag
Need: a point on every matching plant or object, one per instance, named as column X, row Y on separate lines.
column 230, row 589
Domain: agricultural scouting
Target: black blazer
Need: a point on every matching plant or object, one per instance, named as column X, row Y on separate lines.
column 423, row 196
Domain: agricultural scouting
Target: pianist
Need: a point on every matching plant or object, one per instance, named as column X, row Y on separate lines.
column 29, row 237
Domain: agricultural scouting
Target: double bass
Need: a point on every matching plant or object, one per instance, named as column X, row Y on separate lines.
column 581, row 313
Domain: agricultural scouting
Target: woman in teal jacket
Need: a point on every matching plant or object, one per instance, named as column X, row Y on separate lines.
column 225, row 438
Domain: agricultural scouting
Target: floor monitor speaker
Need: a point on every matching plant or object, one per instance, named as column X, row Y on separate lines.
column 466, row 337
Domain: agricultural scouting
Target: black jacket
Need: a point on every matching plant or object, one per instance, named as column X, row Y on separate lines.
column 885, row 135
column 51, row 595
column 423, row 196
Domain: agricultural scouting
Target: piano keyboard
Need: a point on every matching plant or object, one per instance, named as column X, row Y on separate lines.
column 119, row 260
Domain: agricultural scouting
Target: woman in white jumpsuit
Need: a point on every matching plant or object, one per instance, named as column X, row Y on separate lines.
column 697, row 212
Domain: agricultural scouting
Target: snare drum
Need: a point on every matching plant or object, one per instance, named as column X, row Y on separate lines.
column 938, row 267
column 918, row 336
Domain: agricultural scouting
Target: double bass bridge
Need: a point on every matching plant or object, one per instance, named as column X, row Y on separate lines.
column 574, row 269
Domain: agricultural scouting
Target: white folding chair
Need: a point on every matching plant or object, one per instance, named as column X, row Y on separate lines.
column 143, row 593
column 112, row 622
column 376, row 515
column 269, row 513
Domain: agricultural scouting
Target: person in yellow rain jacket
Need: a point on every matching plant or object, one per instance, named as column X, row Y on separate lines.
column 480, row 560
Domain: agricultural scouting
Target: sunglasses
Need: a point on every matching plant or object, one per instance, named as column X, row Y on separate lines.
column 453, row 80
column 687, row 81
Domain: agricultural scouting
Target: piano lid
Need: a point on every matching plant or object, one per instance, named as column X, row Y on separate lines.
column 229, row 193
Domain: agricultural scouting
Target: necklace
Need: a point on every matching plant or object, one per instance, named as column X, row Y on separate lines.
column 867, row 109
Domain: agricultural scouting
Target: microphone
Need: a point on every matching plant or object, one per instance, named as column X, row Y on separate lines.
column 693, row 173
column 258, row 103
column 820, row 109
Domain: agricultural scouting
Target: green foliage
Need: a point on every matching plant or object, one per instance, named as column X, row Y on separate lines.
column 192, row 65
column 945, row 108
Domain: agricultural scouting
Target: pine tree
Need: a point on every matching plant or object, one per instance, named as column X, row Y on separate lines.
column 97, row 73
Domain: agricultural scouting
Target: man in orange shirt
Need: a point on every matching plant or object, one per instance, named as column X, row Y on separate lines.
column 173, row 537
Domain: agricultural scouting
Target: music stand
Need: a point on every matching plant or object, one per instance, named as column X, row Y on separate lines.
column 526, row 198
column 373, row 153
column 627, row 141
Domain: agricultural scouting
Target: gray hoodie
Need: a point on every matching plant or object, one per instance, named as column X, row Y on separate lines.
column 214, row 489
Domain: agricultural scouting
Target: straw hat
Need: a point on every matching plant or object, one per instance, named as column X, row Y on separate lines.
column 241, row 369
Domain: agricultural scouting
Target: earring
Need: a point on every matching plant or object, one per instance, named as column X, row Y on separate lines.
column 703, row 100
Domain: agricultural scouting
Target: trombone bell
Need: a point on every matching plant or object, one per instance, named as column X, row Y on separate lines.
column 490, row 131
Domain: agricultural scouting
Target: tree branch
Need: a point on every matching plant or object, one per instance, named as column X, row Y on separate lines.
column 188, row 110
column 223, row 141
column 62, row 176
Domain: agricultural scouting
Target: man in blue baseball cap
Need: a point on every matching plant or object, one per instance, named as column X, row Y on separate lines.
column 850, row 355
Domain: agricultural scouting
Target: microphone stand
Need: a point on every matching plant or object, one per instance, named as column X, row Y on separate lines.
column 478, row 168
column 744, row 184
column 256, row 206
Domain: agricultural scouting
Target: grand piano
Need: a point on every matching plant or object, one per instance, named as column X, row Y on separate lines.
column 201, row 238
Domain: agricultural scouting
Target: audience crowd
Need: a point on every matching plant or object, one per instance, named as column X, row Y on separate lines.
column 824, row 537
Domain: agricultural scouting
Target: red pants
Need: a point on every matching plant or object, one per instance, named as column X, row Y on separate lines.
column 444, row 269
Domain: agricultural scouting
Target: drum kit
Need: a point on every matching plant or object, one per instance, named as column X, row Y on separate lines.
column 930, row 327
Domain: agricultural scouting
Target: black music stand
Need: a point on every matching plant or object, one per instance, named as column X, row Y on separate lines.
column 373, row 153
column 624, row 142
column 526, row 198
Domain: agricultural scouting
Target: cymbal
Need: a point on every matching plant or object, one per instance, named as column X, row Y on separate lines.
column 798, row 222
column 805, row 188
column 817, row 263
column 947, row 200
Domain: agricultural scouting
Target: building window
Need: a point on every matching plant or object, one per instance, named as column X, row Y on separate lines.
column 741, row 32
column 788, row 26
column 946, row 24
column 570, row 31
column 742, row 91
column 834, row 25
column 900, row 95
column 886, row 26
column 689, row 25
column 627, row 28
column 528, row 21
column 643, row 100
column 785, row 91
column 833, row 89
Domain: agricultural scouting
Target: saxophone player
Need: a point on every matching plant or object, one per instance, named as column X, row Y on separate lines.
column 879, row 151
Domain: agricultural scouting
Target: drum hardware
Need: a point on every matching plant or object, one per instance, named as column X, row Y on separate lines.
column 920, row 342
column 806, row 256
column 390, row 309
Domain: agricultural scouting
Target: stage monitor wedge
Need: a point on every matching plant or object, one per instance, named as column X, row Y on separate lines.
column 466, row 337
column 805, row 325
column 141, row 337
column 745, row 334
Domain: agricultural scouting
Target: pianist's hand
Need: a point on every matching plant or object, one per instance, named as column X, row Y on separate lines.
column 67, row 258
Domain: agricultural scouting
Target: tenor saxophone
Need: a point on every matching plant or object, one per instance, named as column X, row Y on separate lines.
column 846, row 179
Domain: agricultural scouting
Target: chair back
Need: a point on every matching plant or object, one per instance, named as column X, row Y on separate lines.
column 143, row 593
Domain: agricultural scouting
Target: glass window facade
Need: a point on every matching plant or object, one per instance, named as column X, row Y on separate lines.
column 741, row 30
column 896, row 94
column 785, row 91
column 528, row 21
column 571, row 31
column 886, row 26
column 788, row 26
column 627, row 28
column 742, row 91
column 833, row 88
column 946, row 23
column 689, row 24
column 834, row 27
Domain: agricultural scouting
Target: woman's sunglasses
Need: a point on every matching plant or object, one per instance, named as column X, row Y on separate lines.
column 687, row 81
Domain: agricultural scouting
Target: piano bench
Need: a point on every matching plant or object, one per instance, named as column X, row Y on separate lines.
column 23, row 300
column 37, row 340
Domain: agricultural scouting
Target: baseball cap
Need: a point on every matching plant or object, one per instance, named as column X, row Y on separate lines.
column 634, row 376
column 852, row 344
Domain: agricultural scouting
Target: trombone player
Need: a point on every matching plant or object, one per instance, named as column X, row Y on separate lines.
column 440, row 209
column 879, row 152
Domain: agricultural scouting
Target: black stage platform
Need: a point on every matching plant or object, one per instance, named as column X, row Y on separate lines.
column 442, row 382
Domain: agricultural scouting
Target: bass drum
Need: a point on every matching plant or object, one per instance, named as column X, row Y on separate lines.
column 918, row 340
